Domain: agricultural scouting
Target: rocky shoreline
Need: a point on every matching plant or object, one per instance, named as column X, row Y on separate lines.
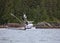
column 38, row 25
column 48, row 25
column 16, row 25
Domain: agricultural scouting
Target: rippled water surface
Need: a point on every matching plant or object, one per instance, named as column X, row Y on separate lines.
column 30, row 36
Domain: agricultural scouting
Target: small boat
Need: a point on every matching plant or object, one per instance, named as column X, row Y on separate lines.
column 29, row 26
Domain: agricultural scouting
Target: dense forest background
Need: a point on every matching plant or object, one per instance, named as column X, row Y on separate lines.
column 36, row 10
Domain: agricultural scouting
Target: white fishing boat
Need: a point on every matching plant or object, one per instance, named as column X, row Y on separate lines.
column 27, row 24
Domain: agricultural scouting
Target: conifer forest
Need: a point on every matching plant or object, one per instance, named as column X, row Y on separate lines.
column 36, row 10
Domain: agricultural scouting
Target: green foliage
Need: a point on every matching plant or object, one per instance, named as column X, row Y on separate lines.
column 36, row 10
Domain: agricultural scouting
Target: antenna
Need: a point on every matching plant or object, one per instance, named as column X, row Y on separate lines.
column 15, row 17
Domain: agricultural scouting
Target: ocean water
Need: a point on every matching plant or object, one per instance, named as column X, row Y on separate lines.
column 30, row 36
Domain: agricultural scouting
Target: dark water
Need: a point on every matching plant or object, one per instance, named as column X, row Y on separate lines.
column 30, row 36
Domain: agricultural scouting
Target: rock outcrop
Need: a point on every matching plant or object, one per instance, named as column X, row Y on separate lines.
column 47, row 25
column 15, row 25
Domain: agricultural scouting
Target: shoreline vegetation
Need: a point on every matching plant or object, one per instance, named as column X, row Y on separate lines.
column 38, row 25
column 12, row 11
